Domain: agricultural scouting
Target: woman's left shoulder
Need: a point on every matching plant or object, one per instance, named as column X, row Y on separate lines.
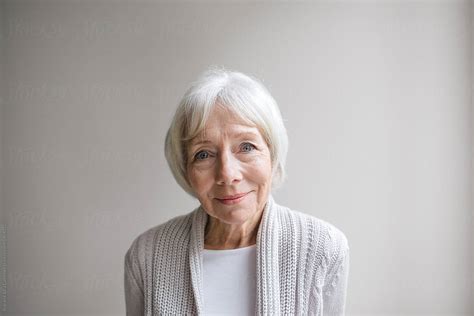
column 325, row 234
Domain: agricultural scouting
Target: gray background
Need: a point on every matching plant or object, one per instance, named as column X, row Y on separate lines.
column 376, row 96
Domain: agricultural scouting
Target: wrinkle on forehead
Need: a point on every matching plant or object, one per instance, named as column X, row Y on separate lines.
column 238, row 132
column 226, row 122
column 253, row 132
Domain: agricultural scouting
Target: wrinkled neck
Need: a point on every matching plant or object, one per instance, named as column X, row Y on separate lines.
column 219, row 235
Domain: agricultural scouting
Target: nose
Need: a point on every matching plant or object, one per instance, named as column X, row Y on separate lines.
column 228, row 169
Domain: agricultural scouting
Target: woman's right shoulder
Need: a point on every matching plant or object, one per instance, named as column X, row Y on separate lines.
column 143, row 243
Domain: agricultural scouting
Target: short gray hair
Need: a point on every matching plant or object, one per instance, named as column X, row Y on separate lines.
column 243, row 95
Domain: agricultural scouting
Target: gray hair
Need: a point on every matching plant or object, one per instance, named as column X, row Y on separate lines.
column 243, row 95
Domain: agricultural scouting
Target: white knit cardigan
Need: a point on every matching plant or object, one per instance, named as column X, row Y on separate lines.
column 302, row 266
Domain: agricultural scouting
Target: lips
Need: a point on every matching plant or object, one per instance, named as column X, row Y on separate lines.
column 232, row 197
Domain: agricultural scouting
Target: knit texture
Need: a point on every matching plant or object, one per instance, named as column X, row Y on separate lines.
column 302, row 266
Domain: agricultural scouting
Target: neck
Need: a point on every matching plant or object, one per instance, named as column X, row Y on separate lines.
column 219, row 235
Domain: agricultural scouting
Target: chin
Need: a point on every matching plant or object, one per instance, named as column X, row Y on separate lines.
column 235, row 216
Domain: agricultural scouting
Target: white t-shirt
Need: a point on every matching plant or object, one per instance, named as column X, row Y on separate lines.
column 229, row 281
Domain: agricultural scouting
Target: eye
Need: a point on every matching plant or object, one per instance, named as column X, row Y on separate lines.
column 249, row 146
column 201, row 155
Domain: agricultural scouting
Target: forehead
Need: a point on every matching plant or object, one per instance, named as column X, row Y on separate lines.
column 225, row 123
column 227, row 131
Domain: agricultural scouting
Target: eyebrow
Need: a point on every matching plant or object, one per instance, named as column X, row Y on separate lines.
column 238, row 135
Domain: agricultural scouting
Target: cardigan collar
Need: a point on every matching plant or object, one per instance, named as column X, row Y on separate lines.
column 268, row 289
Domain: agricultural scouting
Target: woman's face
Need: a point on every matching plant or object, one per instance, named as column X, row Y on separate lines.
column 229, row 158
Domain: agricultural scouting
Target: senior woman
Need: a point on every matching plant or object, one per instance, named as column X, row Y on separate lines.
column 238, row 252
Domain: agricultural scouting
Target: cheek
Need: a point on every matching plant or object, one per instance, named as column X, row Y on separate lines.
column 260, row 170
column 200, row 181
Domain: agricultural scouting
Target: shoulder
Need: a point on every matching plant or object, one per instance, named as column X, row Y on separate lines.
column 328, row 242
column 328, row 231
column 144, row 241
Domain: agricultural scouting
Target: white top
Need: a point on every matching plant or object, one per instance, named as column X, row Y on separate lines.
column 229, row 281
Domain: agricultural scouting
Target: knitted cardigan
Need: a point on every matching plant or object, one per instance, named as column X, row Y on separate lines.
column 302, row 266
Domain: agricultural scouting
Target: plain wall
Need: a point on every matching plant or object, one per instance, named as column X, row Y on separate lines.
column 376, row 97
column 3, row 226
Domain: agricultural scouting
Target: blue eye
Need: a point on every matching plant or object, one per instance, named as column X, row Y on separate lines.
column 199, row 155
column 248, row 145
